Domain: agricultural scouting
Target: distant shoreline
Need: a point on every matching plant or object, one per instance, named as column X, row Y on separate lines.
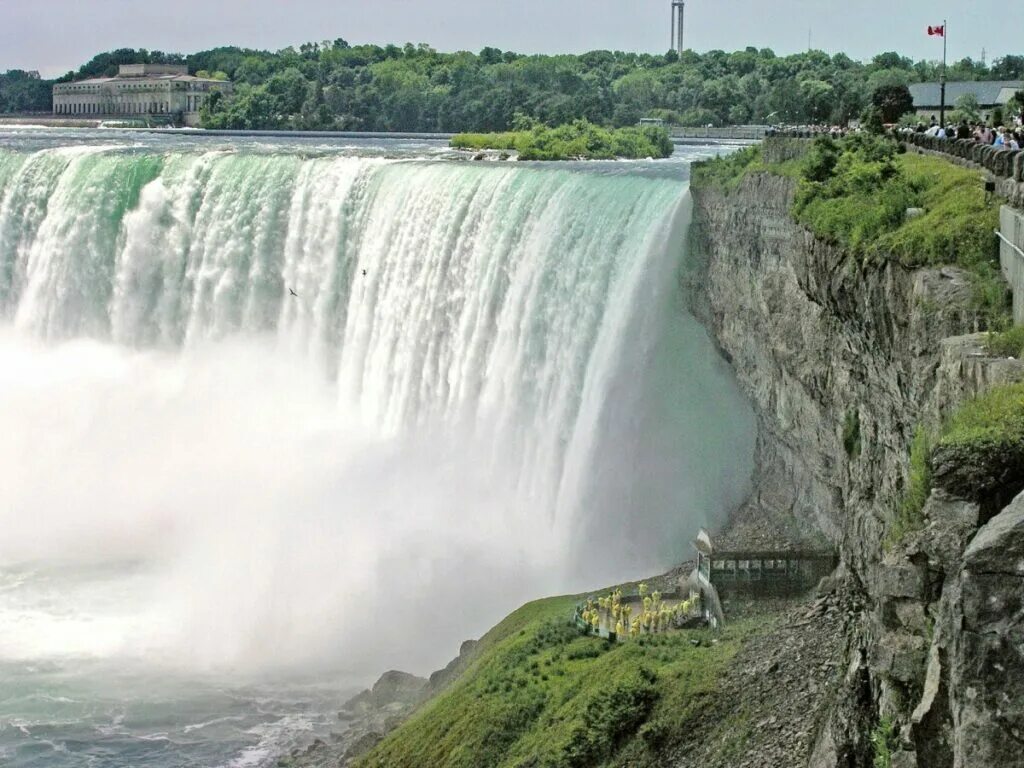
column 51, row 122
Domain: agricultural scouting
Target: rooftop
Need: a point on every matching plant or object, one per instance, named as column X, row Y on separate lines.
column 988, row 92
column 149, row 72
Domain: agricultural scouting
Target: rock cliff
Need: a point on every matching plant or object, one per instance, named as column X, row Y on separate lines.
column 842, row 361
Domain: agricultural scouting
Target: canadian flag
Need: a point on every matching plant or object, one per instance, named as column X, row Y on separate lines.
column 940, row 30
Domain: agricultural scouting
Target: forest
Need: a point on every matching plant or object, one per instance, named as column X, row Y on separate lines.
column 335, row 85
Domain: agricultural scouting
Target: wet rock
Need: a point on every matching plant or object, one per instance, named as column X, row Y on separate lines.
column 400, row 687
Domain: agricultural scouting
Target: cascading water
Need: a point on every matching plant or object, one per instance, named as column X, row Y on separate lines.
column 292, row 410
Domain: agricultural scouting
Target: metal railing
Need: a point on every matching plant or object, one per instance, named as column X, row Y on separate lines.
column 1006, row 240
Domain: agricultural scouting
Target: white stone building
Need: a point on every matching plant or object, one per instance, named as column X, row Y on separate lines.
column 138, row 90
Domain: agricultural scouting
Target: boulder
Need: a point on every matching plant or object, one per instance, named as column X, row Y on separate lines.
column 898, row 580
column 397, row 687
column 987, row 659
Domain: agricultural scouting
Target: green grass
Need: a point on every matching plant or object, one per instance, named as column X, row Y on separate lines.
column 861, row 200
column 725, row 172
column 572, row 141
column 958, row 224
column 980, row 452
column 884, row 742
column 1008, row 343
column 978, row 455
column 541, row 694
column 855, row 192
column 995, row 420
column 909, row 513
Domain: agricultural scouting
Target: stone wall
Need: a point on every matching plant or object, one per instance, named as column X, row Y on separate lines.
column 1011, row 256
column 815, row 336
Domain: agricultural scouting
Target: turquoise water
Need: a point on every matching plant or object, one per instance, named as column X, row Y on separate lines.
column 270, row 404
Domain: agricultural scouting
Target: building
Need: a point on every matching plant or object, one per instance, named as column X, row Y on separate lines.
column 989, row 93
column 165, row 91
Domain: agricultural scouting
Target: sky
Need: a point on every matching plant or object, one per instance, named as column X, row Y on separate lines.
column 59, row 35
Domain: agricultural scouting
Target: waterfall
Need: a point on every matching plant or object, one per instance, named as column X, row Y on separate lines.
column 426, row 377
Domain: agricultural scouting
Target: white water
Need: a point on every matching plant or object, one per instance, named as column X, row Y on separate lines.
column 487, row 389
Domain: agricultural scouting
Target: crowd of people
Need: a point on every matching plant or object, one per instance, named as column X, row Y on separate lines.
column 1007, row 137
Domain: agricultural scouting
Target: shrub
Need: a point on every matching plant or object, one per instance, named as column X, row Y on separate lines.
column 883, row 742
column 611, row 714
column 909, row 514
column 1009, row 343
column 725, row 171
column 820, row 162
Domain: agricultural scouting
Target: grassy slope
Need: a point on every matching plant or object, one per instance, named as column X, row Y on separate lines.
column 540, row 694
column 995, row 419
column 861, row 205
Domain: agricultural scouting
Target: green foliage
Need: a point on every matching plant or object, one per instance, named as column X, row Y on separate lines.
column 873, row 121
column 893, row 101
column 909, row 514
column 539, row 693
column 725, row 171
column 864, row 197
column 1008, row 343
column 415, row 88
column 994, row 420
column 577, row 140
column 980, row 451
column 968, row 108
column 884, row 742
column 856, row 192
column 958, row 224
column 1015, row 106
column 851, row 433
column 22, row 91
column 820, row 163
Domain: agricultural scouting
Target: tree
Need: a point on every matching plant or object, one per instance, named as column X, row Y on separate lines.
column 892, row 101
column 819, row 99
column 1015, row 106
column 968, row 107
column 871, row 121
column 1008, row 68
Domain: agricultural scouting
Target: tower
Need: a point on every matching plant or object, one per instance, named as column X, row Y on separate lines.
column 678, row 11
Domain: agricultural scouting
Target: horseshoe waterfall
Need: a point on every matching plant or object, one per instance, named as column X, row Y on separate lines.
column 292, row 414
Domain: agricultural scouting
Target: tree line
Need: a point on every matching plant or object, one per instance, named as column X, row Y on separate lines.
column 334, row 85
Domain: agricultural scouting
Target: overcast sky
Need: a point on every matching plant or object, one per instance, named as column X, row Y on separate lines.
column 54, row 36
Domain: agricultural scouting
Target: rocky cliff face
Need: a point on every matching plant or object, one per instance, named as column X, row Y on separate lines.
column 843, row 361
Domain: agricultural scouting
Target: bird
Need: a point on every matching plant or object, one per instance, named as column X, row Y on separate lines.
column 293, row 293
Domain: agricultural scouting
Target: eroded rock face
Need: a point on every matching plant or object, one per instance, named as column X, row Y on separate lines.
column 987, row 659
column 819, row 341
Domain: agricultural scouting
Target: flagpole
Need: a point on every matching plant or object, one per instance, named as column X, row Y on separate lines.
column 942, row 77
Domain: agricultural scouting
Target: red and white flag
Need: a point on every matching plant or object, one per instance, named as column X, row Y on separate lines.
column 939, row 30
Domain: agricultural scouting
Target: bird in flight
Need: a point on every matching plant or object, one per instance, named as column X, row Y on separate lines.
column 293, row 293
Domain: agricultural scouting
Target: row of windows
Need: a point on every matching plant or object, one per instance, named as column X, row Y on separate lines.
column 122, row 87
column 154, row 107
column 192, row 104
